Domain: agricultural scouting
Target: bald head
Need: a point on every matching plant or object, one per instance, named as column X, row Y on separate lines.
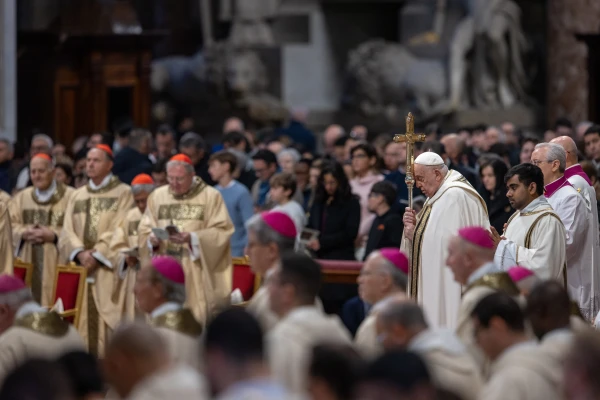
column 332, row 133
column 570, row 148
column 548, row 307
column 139, row 341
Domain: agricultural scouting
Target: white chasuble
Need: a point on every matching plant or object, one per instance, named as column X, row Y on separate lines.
column 207, row 260
column 291, row 341
column 522, row 372
column 455, row 205
column 581, row 245
column 26, row 211
column 91, row 218
column 535, row 239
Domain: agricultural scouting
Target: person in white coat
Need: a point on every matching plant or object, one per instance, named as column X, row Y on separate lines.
column 581, row 240
column 452, row 203
column 293, row 288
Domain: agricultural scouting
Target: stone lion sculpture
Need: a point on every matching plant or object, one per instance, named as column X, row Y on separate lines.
column 386, row 76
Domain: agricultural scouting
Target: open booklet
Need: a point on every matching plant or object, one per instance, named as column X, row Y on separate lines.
column 163, row 234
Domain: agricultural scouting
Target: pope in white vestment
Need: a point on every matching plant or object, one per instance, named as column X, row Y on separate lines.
column 452, row 203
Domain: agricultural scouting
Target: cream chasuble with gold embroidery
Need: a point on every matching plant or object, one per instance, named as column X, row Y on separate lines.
column 455, row 205
column 91, row 218
column 27, row 210
column 6, row 247
column 35, row 333
column 126, row 238
column 207, row 261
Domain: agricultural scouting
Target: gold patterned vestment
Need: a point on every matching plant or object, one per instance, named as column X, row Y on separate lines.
column 6, row 247
column 39, row 334
column 27, row 210
column 91, row 218
column 181, row 332
column 207, row 266
column 125, row 238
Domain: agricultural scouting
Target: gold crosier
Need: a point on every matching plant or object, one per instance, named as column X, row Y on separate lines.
column 410, row 138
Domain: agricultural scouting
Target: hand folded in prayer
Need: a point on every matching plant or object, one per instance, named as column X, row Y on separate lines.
column 42, row 234
column 495, row 236
column 314, row 245
column 180, row 238
column 410, row 221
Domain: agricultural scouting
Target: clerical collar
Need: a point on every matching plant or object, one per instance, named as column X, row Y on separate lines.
column 553, row 187
column 102, row 184
column 487, row 268
column 430, row 339
column 165, row 308
column 29, row 308
column 577, row 170
column 540, row 201
column 45, row 195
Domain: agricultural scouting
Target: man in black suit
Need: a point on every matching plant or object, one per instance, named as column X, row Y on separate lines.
column 387, row 227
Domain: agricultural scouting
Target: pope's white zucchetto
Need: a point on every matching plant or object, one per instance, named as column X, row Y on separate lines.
column 429, row 158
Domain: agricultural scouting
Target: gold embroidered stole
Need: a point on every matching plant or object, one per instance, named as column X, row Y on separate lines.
column 181, row 321
column 45, row 323
column 499, row 281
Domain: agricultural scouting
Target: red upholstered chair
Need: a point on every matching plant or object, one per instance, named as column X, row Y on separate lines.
column 243, row 277
column 23, row 271
column 69, row 286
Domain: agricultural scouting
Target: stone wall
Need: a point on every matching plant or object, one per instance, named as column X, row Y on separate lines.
column 567, row 57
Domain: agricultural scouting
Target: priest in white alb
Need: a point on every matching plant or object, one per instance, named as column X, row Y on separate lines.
column 581, row 239
column 37, row 215
column 452, row 203
column 581, row 182
column 124, row 247
column 534, row 236
column 188, row 220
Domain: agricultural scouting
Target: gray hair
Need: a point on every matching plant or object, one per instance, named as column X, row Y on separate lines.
column 289, row 152
column 15, row 299
column 401, row 312
column 399, row 278
column 138, row 137
column 192, row 139
column 171, row 291
column 265, row 234
column 45, row 138
column 8, row 143
column 145, row 188
column 555, row 153
column 188, row 167
column 501, row 134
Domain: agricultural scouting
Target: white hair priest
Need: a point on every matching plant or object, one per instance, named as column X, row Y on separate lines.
column 452, row 203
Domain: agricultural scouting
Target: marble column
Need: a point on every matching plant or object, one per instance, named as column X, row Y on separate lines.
column 8, row 69
column 567, row 86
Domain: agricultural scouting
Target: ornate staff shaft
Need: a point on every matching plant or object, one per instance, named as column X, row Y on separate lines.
column 410, row 137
